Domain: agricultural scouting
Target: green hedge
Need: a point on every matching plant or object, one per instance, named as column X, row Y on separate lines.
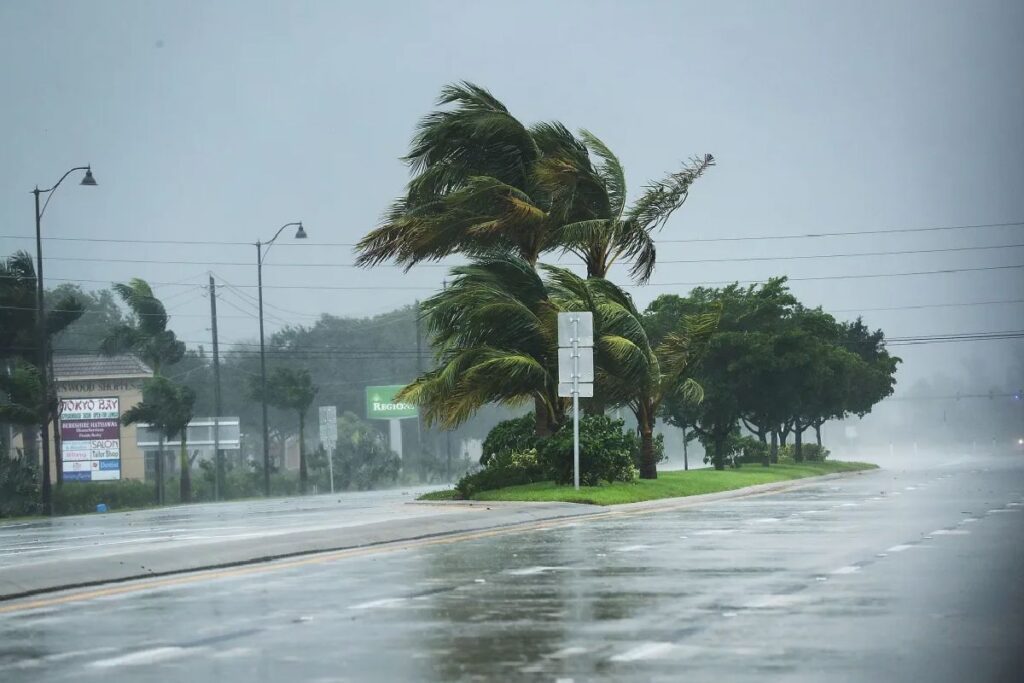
column 510, row 436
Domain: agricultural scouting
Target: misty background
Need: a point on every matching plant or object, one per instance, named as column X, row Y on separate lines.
column 213, row 124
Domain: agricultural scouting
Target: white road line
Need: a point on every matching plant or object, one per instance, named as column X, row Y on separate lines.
column 383, row 602
column 848, row 569
column 530, row 571
column 645, row 651
column 151, row 656
column 899, row 548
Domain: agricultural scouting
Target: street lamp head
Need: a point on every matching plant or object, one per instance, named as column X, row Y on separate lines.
column 300, row 234
column 88, row 179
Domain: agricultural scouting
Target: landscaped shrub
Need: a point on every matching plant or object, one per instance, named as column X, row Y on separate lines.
column 812, row 452
column 506, row 469
column 19, row 487
column 510, row 436
column 607, row 452
column 76, row 497
column 750, row 451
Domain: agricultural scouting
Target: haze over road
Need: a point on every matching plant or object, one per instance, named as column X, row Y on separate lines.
column 912, row 572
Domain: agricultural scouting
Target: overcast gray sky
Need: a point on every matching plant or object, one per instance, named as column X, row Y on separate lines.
column 220, row 121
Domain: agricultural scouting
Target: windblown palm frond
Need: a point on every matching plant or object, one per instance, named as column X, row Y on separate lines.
column 147, row 335
column 21, row 395
column 662, row 198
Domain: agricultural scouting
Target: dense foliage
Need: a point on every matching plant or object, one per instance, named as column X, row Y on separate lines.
column 510, row 436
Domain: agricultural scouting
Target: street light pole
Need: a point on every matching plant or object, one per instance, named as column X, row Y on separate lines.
column 300, row 234
column 41, row 332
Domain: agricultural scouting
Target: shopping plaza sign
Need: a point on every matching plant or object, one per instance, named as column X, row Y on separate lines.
column 381, row 403
column 90, row 434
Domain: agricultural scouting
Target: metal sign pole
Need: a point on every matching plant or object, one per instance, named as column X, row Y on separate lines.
column 575, row 405
column 330, row 464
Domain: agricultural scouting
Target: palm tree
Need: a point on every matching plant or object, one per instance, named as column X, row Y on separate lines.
column 290, row 389
column 146, row 335
column 485, row 182
column 166, row 407
column 628, row 370
column 20, row 395
column 597, row 224
column 495, row 335
column 19, row 342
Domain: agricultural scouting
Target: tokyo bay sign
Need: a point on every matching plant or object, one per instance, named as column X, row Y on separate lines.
column 381, row 403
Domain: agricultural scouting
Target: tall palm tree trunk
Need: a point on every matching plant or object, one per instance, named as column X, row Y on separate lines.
column 302, row 452
column 542, row 418
column 645, row 422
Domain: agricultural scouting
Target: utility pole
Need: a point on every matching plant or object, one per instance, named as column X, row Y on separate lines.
column 218, row 460
column 419, row 373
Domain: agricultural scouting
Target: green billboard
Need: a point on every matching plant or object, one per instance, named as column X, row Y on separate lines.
column 381, row 404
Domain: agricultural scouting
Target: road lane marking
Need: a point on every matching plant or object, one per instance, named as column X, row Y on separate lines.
column 383, row 602
column 531, row 571
column 645, row 651
column 150, row 656
column 899, row 548
column 848, row 569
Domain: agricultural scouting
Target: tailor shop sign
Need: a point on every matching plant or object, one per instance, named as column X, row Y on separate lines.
column 90, row 433
column 381, row 404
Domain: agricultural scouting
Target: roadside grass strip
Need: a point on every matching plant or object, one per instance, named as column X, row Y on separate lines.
column 672, row 484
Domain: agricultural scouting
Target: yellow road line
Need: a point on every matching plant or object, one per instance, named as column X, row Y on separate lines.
column 200, row 575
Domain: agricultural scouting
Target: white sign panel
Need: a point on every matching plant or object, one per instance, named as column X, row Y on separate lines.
column 585, row 369
column 578, row 325
column 90, row 432
column 586, row 390
column 329, row 424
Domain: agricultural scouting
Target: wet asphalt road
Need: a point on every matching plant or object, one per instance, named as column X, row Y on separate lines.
column 22, row 544
column 903, row 574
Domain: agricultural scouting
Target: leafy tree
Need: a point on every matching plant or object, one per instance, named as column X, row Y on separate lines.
column 167, row 408
column 289, row 389
column 146, row 334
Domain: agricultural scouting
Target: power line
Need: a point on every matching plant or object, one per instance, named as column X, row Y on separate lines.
column 730, row 259
column 884, row 231
column 831, row 277
column 909, row 308
column 942, row 271
column 738, row 238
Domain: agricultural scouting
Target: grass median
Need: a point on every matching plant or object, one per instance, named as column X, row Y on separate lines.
column 672, row 484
